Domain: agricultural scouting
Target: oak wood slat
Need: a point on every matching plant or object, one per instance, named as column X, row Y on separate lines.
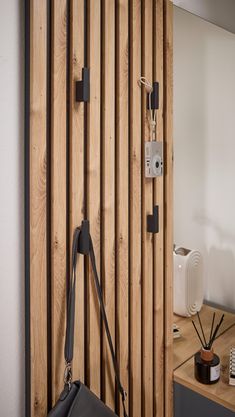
column 93, row 191
column 77, row 175
column 135, row 210
column 58, row 192
column 108, row 190
column 122, row 192
column 147, row 208
column 37, row 209
column 168, row 203
column 158, row 290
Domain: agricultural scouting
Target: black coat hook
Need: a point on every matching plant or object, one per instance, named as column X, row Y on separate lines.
column 153, row 221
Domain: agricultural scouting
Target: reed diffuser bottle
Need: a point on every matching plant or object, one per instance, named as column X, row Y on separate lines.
column 206, row 362
column 207, row 366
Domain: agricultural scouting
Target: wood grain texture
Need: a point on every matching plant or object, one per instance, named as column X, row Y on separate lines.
column 147, row 208
column 122, row 192
column 93, row 191
column 188, row 343
column 38, row 208
column 58, row 193
column 220, row 392
column 77, row 174
column 158, row 257
column 106, row 184
column 168, row 203
column 108, row 191
column 135, row 210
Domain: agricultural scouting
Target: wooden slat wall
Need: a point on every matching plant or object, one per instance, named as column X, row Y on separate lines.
column 96, row 171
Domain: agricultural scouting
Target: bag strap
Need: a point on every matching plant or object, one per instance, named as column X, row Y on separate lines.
column 69, row 339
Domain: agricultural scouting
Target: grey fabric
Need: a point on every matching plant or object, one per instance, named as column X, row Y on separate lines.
column 80, row 402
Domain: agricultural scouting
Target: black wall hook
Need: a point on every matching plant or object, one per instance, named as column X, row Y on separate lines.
column 84, row 238
column 154, row 97
column 83, row 86
column 153, row 221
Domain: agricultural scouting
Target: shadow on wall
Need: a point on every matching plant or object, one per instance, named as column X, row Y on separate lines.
column 221, row 273
column 219, row 262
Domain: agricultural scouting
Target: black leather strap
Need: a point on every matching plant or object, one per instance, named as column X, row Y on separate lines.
column 71, row 287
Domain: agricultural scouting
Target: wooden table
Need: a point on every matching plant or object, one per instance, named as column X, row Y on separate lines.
column 187, row 345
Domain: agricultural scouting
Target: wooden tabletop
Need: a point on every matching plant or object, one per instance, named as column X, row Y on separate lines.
column 221, row 392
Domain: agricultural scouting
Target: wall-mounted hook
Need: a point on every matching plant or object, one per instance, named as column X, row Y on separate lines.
column 154, row 97
column 84, row 238
column 153, row 221
column 83, row 86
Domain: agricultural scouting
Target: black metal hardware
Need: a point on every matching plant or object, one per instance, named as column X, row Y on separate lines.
column 153, row 221
column 154, row 97
column 84, row 238
column 83, row 86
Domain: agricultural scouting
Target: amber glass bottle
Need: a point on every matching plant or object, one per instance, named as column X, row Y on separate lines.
column 207, row 366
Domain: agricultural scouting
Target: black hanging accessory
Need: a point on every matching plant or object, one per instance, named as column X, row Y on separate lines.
column 76, row 400
column 154, row 99
column 83, row 86
column 153, row 221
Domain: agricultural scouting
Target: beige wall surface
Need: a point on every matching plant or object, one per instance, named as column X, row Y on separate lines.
column 204, row 149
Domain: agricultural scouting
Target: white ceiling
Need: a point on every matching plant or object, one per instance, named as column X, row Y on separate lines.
column 219, row 12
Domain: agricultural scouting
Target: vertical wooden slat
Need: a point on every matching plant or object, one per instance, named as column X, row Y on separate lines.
column 58, row 192
column 159, row 238
column 37, row 210
column 122, row 183
column 76, row 149
column 147, row 208
column 168, row 202
column 108, row 189
column 135, row 210
column 93, row 189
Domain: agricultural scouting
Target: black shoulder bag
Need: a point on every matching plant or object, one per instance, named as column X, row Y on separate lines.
column 76, row 400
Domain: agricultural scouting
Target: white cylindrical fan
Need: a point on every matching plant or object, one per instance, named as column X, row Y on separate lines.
column 188, row 281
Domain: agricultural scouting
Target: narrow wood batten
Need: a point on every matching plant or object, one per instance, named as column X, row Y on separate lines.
column 37, row 210
column 168, row 203
column 108, row 190
column 76, row 174
column 158, row 199
column 93, row 191
column 122, row 193
column 135, row 240
column 58, row 191
column 147, row 208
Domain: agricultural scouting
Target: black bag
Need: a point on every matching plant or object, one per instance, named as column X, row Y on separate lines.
column 76, row 400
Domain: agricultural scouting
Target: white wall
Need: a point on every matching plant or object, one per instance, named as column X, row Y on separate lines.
column 204, row 149
column 11, row 209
